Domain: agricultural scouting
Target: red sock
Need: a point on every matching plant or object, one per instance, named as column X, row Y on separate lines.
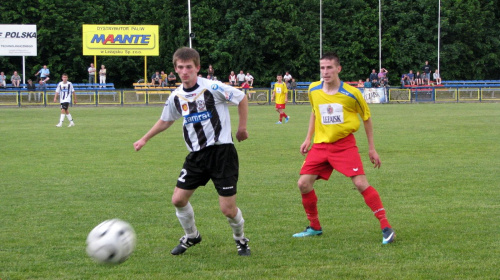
column 281, row 116
column 310, row 202
column 372, row 199
column 285, row 115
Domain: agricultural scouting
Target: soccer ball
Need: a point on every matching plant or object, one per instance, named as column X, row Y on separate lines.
column 111, row 242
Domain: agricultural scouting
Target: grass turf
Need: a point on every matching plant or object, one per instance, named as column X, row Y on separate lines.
column 438, row 182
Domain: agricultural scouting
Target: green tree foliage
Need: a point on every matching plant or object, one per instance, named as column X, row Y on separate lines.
column 270, row 37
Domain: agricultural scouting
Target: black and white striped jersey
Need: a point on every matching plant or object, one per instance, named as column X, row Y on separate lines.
column 65, row 90
column 204, row 109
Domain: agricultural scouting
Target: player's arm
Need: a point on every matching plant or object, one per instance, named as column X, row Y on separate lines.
column 242, row 132
column 158, row 127
column 304, row 148
column 372, row 153
column 74, row 97
column 286, row 94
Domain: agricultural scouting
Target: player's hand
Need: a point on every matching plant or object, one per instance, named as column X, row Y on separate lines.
column 242, row 134
column 304, row 148
column 375, row 159
column 139, row 144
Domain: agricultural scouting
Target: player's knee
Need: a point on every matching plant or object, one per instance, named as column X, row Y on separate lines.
column 305, row 186
column 179, row 201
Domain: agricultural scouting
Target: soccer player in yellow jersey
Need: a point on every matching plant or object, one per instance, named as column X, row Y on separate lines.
column 334, row 118
column 280, row 91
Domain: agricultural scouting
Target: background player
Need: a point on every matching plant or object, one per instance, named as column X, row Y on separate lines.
column 280, row 91
column 203, row 104
column 334, row 119
column 65, row 89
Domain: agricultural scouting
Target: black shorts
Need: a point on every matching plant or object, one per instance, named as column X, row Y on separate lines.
column 218, row 163
column 65, row 105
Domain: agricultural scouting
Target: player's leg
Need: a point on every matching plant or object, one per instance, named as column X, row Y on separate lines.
column 372, row 199
column 61, row 117
column 70, row 118
column 310, row 204
column 185, row 214
column 235, row 218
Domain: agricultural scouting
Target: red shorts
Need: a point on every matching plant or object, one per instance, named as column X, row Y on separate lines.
column 280, row 106
column 342, row 156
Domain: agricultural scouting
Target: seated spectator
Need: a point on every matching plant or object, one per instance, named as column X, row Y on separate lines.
column 214, row 78
column 404, row 80
column 423, row 78
column 287, row 78
column 241, row 78
column 367, row 84
column 411, row 78
column 382, row 77
column 171, row 79
column 232, row 79
column 3, row 79
column 418, row 79
column 31, row 88
column 437, row 77
column 209, row 77
column 360, row 84
column 164, row 81
column 156, row 79
column 42, row 84
column 249, row 79
column 15, row 79
column 245, row 85
column 293, row 84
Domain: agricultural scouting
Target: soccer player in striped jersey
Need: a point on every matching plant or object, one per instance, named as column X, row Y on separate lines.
column 203, row 106
column 280, row 92
column 334, row 118
column 65, row 90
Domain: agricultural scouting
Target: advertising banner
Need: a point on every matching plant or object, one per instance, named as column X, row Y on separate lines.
column 18, row 40
column 120, row 40
column 374, row 95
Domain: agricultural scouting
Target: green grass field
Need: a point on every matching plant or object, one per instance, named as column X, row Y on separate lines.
column 439, row 182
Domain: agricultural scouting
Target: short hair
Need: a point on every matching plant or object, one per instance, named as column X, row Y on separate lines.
column 186, row 54
column 331, row 56
column 64, row 74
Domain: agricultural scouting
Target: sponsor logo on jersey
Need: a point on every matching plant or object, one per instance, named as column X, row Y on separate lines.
column 189, row 95
column 215, row 87
column 184, row 107
column 201, row 105
column 197, row 117
column 229, row 95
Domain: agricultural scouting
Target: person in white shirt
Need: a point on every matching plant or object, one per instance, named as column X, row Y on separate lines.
column 65, row 90
column 249, row 79
column 241, row 78
column 91, row 71
column 287, row 78
column 202, row 105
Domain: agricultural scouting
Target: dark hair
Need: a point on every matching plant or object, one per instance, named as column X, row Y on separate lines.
column 331, row 56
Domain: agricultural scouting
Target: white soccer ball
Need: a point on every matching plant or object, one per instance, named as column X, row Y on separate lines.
column 112, row 242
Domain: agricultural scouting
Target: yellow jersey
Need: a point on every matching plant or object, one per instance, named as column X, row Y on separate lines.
column 336, row 115
column 280, row 91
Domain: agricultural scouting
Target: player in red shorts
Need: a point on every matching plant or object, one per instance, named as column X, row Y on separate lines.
column 334, row 119
column 280, row 91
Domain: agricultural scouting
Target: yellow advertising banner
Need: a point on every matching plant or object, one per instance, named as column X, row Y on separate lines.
column 120, row 40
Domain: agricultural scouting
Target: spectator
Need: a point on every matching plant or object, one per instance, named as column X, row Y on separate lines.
column 293, row 84
column 91, row 71
column 210, row 71
column 287, row 78
column 102, row 75
column 411, row 78
column 374, row 76
column 423, row 78
column 281, row 92
column 241, row 78
column 245, row 85
column 382, row 77
column 15, row 79
column 437, row 77
column 427, row 70
column 171, row 79
column 404, row 80
column 418, row 79
column 367, row 84
column 232, row 79
column 65, row 90
column 249, row 79
column 360, row 84
column 209, row 77
column 202, row 106
column 44, row 73
column 3, row 79
column 42, row 84
column 31, row 90
column 164, row 78
column 156, row 79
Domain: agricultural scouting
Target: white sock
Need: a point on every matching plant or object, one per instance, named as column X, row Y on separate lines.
column 237, row 224
column 69, row 117
column 186, row 218
column 61, row 119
